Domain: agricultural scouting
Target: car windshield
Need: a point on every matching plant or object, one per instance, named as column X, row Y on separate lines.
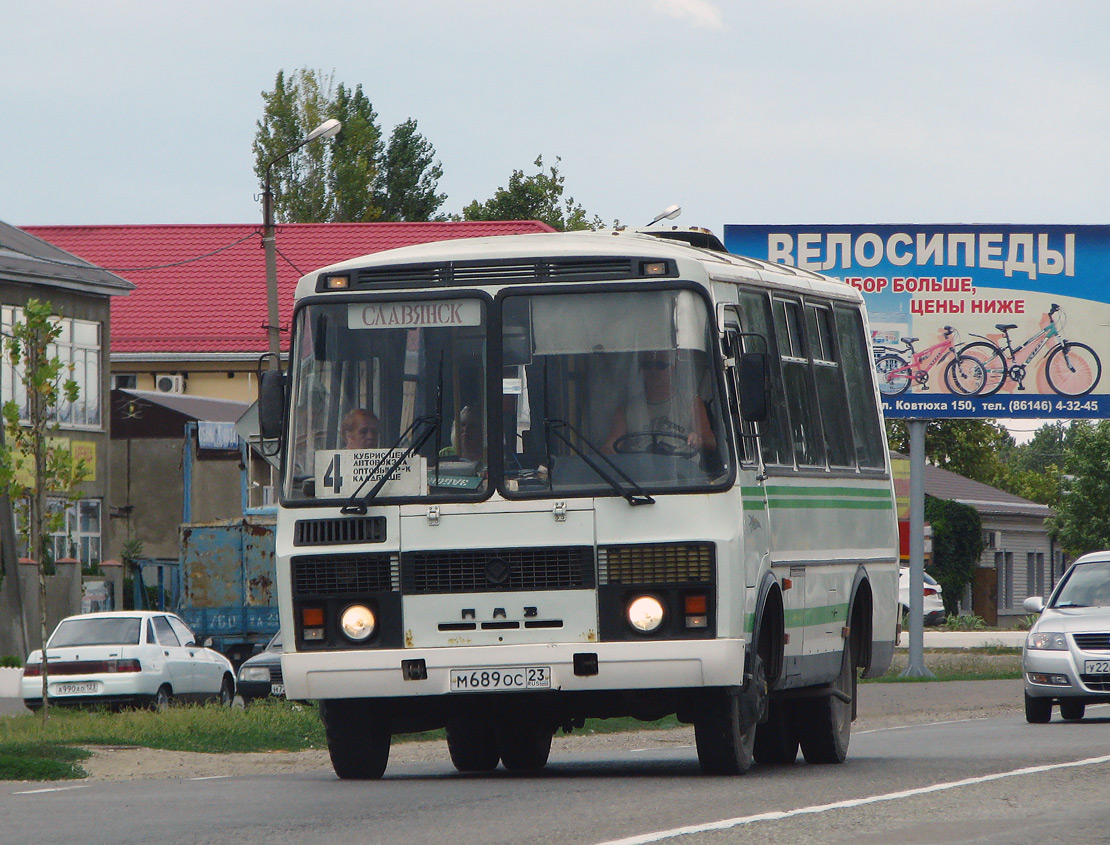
column 113, row 631
column 1085, row 585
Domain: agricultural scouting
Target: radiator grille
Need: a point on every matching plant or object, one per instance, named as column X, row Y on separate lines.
column 327, row 532
column 329, row 575
column 479, row 571
column 1100, row 683
column 664, row 563
column 1093, row 642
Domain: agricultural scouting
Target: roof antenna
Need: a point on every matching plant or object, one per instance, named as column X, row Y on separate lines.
column 668, row 213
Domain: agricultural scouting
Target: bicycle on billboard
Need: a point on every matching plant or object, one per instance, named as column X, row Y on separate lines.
column 964, row 375
column 1070, row 368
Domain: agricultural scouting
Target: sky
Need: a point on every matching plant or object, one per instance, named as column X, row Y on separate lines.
column 947, row 111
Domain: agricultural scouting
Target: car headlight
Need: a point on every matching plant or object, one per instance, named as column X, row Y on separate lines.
column 1046, row 640
column 254, row 673
column 645, row 614
column 358, row 623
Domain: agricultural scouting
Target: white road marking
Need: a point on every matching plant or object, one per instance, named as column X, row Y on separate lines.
column 212, row 777
column 53, row 789
column 774, row 815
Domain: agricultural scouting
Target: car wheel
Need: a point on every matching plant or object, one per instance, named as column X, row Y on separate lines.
column 1071, row 710
column 1038, row 711
column 227, row 692
column 161, row 699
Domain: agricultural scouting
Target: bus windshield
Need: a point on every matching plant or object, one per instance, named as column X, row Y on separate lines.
column 374, row 380
column 606, row 393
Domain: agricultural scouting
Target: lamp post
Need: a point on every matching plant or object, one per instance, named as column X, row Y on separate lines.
column 327, row 129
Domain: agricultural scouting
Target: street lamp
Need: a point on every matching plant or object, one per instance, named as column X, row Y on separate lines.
column 327, row 129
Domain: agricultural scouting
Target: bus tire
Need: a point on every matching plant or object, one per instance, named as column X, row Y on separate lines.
column 358, row 739
column 523, row 745
column 776, row 741
column 725, row 727
column 824, row 723
column 472, row 744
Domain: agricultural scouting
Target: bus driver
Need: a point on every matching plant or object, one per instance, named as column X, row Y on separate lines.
column 661, row 407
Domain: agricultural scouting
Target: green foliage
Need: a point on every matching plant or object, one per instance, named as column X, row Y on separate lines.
column 352, row 179
column 10, row 661
column 40, row 761
column 1027, row 622
column 967, row 447
column 1082, row 520
column 957, row 545
column 964, row 622
column 535, row 197
column 406, row 188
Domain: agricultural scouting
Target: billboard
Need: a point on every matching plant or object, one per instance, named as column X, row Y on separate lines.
column 993, row 321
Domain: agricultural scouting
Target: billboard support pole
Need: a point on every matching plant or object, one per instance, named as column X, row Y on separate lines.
column 915, row 667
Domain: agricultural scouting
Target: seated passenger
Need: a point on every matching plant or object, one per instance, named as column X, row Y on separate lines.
column 360, row 429
column 660, row 408
column 467, row 441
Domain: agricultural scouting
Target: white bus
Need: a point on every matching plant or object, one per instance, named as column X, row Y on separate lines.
column 536, row 479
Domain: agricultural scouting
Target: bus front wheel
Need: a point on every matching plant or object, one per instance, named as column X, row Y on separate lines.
column 358, row 738
column 725, row 727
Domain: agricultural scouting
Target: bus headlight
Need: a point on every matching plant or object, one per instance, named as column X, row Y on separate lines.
column 358, row 623
column 645, row 614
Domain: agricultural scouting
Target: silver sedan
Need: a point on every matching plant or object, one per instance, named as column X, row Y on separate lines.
column 1066, row 659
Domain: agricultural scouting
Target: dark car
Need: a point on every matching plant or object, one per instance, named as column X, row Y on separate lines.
column 260, row 676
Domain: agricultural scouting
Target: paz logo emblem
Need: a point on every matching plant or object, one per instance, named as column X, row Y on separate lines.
column 497, row 571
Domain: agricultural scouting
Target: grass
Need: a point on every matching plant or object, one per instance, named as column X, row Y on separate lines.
column 991, row 663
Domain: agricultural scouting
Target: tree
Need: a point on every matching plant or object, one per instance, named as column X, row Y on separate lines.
column 300, row 181
column 405, row 190
column 1082, row 520
column 535, row 197
column 353, row 179
column 957, row 545
column 967, row 447
column 32, row 460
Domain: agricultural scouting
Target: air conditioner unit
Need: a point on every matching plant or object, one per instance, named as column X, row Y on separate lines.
column 169, row 383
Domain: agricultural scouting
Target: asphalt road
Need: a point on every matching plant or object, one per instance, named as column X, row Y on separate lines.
column 951, row 780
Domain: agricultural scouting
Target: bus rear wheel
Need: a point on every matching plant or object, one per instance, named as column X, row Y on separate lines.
column 472, row 744
column 776, row 740
column 825, row 723
column 523, row 745
column 358, row 738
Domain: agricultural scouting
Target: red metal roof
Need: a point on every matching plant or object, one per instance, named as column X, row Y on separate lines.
column 218, row 303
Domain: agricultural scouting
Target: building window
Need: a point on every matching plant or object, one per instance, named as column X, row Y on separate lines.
column 79, row 537
column 78, row 348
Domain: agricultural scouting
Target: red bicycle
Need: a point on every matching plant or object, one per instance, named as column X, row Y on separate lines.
column 964, row 375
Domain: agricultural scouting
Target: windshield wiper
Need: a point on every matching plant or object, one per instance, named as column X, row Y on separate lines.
column 357, row 505
column 636, row 497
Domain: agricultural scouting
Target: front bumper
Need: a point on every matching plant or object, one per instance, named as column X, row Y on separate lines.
column 1058, row 674
column 620, row 666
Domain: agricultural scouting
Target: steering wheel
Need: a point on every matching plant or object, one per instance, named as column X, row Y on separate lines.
column 654, row 443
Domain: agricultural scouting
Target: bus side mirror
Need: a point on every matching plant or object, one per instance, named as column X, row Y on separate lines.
column 271, row 403
column 753, row 386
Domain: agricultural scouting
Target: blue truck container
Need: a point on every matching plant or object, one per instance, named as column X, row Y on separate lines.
column 227, row 584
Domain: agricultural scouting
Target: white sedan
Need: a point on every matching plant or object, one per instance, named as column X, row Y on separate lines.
column 139, row 657
column 932, row 603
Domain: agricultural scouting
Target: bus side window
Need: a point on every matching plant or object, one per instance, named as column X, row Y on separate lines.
column 800, row 391
column 774, row 440
column 832, row 402
column 855, row 358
